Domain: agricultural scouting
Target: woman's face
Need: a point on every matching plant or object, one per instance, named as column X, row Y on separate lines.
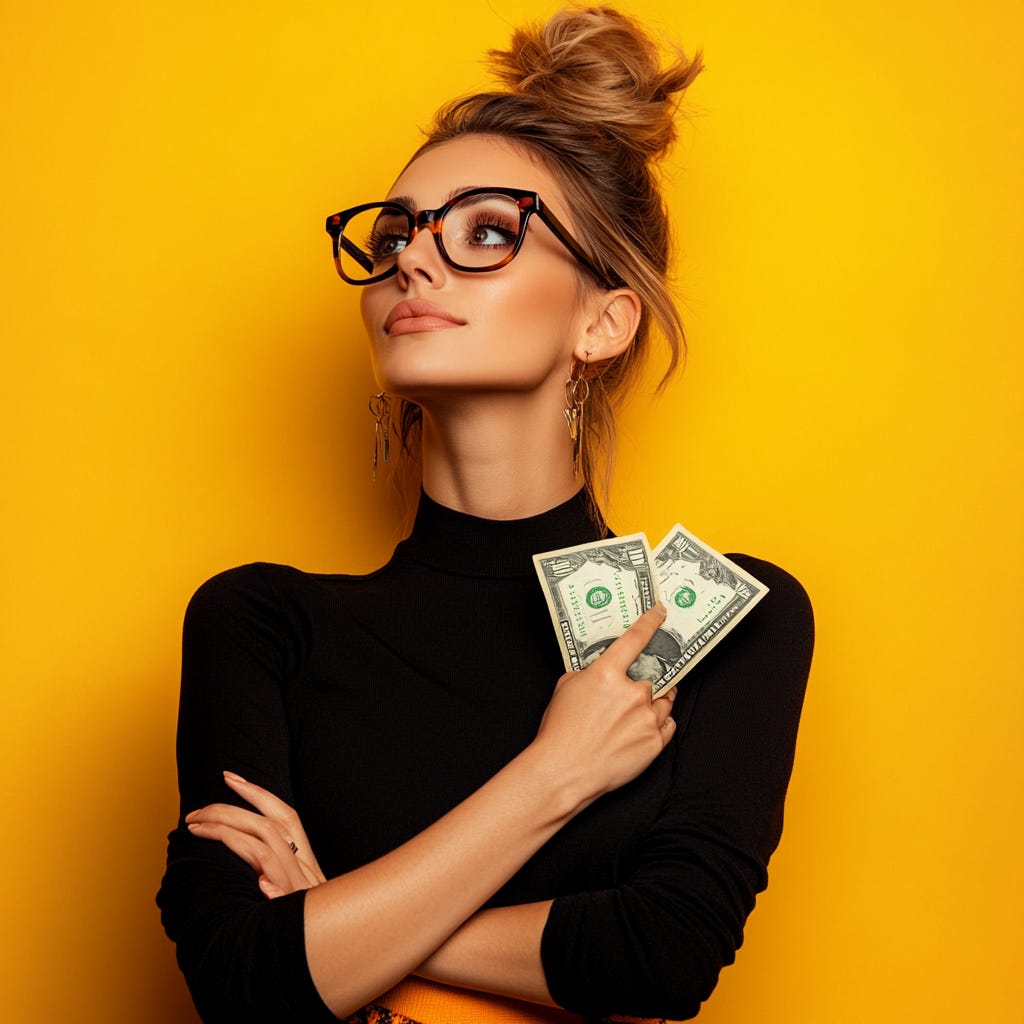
column 508, row 330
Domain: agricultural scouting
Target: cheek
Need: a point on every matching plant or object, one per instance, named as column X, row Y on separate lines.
column 545, row 308
column 368, row 304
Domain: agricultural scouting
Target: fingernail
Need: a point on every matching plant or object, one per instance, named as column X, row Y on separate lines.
column 193, row 826
column 233, row 777
column 662, row 610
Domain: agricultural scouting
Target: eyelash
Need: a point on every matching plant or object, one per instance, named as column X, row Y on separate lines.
column 378, row 238
column 374, row 244
column 484, row 221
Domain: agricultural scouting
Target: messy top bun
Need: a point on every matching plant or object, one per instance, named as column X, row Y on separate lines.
column 589, row 94
column 598, row 71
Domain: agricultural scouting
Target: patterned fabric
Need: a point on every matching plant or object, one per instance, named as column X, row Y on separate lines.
column 374, row 1014
column 637, row 1020
column 416, row 1001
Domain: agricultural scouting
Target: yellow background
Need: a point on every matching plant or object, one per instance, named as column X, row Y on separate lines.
column 184, row 387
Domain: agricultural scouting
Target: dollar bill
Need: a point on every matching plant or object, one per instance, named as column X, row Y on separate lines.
column 596, row 591
column 705, row 595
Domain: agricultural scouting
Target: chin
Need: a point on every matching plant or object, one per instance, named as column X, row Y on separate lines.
column 418, row 383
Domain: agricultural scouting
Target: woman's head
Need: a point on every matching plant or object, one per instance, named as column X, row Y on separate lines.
column 497, row 319
column 588, row 98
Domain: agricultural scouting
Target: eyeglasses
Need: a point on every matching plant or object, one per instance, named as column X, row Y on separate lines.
column 479, row 230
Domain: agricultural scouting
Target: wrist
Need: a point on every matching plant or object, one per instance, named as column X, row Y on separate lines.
column 564, row 785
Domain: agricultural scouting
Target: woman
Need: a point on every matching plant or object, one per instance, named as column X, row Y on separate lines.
column 394, row 805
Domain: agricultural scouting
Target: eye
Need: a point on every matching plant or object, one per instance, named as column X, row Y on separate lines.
column 481, row 230
column 488, row 234
column 486, row 230
column 384, row 244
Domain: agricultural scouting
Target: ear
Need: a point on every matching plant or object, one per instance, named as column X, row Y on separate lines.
column 612, row 326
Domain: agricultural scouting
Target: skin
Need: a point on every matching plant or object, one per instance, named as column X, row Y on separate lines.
column 492, row 388
column 488, row 372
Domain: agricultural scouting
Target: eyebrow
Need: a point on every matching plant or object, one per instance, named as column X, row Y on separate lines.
column 410, row 204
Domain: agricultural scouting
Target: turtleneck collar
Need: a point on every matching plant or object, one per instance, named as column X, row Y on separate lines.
column 471, row 546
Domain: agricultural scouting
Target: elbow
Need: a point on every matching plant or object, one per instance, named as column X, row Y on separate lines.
column 661, row 966
column 243, row 957
column 675, row 993
column 672, row 981
column 227, row 989
column 680, row 977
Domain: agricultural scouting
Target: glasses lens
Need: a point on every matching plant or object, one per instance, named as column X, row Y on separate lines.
column 481, row 230
column 371, row 241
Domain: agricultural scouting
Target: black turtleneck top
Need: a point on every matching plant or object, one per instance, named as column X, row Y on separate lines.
column 373, row 704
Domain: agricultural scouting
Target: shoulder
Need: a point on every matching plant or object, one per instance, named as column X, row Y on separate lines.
column 259, row 595
column 256, row 582
column 265, row 584
column 786, row 592
column 780, row 629
column 252, row 613
column 267, row 596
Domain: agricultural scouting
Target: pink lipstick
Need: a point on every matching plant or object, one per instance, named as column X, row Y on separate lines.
column 414, row 315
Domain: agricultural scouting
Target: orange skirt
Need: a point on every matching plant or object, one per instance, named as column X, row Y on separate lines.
column 415, row 1001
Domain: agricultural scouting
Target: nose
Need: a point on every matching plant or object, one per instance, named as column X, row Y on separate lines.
column 421, row 258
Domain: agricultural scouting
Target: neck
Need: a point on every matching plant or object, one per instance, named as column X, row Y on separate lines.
column 504, row 456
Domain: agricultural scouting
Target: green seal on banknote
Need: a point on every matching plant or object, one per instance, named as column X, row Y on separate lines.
column 595, row 591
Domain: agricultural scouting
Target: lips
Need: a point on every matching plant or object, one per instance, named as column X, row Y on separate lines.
column 419, row 315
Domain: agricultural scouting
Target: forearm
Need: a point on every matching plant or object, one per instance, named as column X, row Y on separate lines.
column 430, row 885
column 495, row 951
column 369, row 928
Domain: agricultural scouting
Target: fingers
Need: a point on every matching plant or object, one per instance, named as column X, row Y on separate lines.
column 253, row 839
column 247, row 830
column 277, row 811
column 624, row 650
column 262, row 799
column 270, row 839
column 272, row 890
column 238, row 818
column 662, row 707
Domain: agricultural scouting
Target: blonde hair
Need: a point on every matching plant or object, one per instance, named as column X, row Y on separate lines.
column 589, row 95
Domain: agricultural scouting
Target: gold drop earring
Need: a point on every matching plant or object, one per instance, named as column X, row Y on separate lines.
column 380, row 409
column 577, row 391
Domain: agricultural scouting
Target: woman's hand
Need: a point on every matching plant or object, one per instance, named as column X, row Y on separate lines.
column 601, row 724
column 272, row 842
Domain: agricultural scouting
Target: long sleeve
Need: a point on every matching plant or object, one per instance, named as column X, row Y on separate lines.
column 242, row 955
column 368, row 704
column 653, row 945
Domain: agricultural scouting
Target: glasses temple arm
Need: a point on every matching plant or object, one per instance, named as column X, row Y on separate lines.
column 562, row 234
column 355, row 252
column 334, row 229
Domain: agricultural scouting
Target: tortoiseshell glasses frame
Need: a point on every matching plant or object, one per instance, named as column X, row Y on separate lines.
column 528, row 203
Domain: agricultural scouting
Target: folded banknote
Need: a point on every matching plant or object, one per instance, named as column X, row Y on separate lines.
column 596, row 591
